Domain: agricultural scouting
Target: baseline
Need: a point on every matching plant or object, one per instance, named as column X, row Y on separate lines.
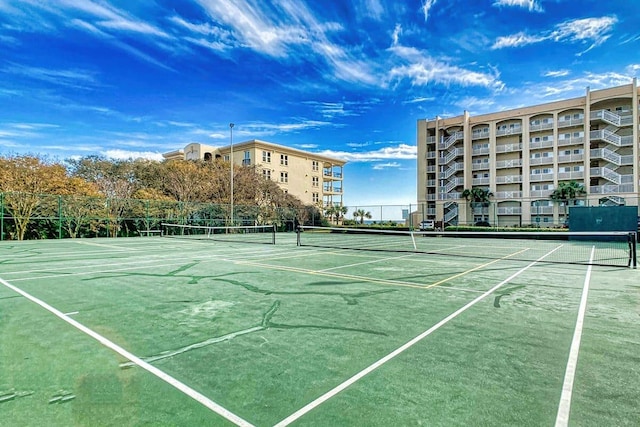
column 197, row 396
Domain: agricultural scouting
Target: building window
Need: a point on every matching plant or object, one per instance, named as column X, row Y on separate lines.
column 227, row 158
column 284, row 177
column 315, row 166
column 284, row 160
column 315, row 181
column 266, row 157
column 247, row 158
column 315, row 197
column 266, row 173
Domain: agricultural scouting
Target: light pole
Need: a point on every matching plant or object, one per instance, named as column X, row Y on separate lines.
column 231, row 158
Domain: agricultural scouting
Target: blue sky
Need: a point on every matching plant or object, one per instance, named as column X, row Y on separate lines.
column 348, row 79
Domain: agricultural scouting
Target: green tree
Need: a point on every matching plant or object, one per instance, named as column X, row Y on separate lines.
column 478, row 198
column 567, row 193
column 362, row 214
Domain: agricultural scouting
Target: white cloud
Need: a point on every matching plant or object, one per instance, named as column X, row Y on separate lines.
column 557, row 73
column 426, row 8
column 389, row 165
column 399, row 152
column 419, row 100
column 119, row 154
column 590, row 30
column 532, row 5
column 517, row 40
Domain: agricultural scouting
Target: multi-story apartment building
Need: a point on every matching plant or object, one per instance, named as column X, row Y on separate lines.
column 522, row 155
column 314, row 179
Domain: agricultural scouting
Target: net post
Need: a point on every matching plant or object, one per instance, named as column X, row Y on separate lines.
column 298, row 231
column 634, row 240
column 273, row 235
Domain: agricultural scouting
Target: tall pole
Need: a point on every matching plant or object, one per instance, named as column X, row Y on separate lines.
column 231, row 158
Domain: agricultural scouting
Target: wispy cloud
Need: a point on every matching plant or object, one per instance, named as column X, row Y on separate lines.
column 389, row 165
column 426, row 8
column 531, row 5
column 119, row 154
column 419, row 100
column 594, row 31
column 557, row 73
column 76, row 78
column 398, row 152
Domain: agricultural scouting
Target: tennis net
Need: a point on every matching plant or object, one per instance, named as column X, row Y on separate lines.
column 590, row 248
column 239, row 233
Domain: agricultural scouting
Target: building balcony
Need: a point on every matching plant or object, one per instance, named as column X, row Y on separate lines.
column 541, row 161
column 611, row 189
column 578, row 140
column 538, row 177
column 516, row 130
column 503, row 164
column 509, row 210
column 570, row 158
column 508, row 179
column 480, row 151
column 480, row 134
column 508, row 148
column 562, row 176
column 480, row 181
column 508, row 194
column 541, row 193
column 480, row 166
column 450, row 196
column 570, row 122
column 541, row 144
column 540, row 126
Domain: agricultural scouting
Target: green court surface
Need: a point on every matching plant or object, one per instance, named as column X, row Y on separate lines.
column 158, row 331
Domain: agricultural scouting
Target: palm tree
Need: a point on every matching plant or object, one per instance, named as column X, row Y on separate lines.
column 336, row 211
column 567, row 193
column 478, row 197
column 341, row 211
column 362, row 214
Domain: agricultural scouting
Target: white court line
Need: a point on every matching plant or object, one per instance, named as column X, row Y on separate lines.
column 199, row 397
column 328, row 395
column 391, row 258
column 562, row 419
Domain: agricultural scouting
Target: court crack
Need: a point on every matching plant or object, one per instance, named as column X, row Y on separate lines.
column 265, row 324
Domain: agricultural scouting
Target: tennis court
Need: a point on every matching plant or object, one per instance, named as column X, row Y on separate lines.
column 195, row 331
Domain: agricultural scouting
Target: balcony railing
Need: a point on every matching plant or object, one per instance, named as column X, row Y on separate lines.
column 509, row 131
column 479, row 134
column 508, row 194
column 508, row 179
column 540, row 126
column 537, row 177
column 541, row 161
column 509, row 210
column 514, row 163
column 570, row 175
column 570, row 158
column 541, row 144
column 570, row 141
column 540, row 193
column 480, row 166
column 507, row 148
column 570, row 122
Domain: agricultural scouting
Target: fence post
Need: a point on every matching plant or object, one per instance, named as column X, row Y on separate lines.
column 1, row 216
column 59, row 217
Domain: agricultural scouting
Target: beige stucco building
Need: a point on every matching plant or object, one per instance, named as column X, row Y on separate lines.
column 312, row 178
column 522, row 155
